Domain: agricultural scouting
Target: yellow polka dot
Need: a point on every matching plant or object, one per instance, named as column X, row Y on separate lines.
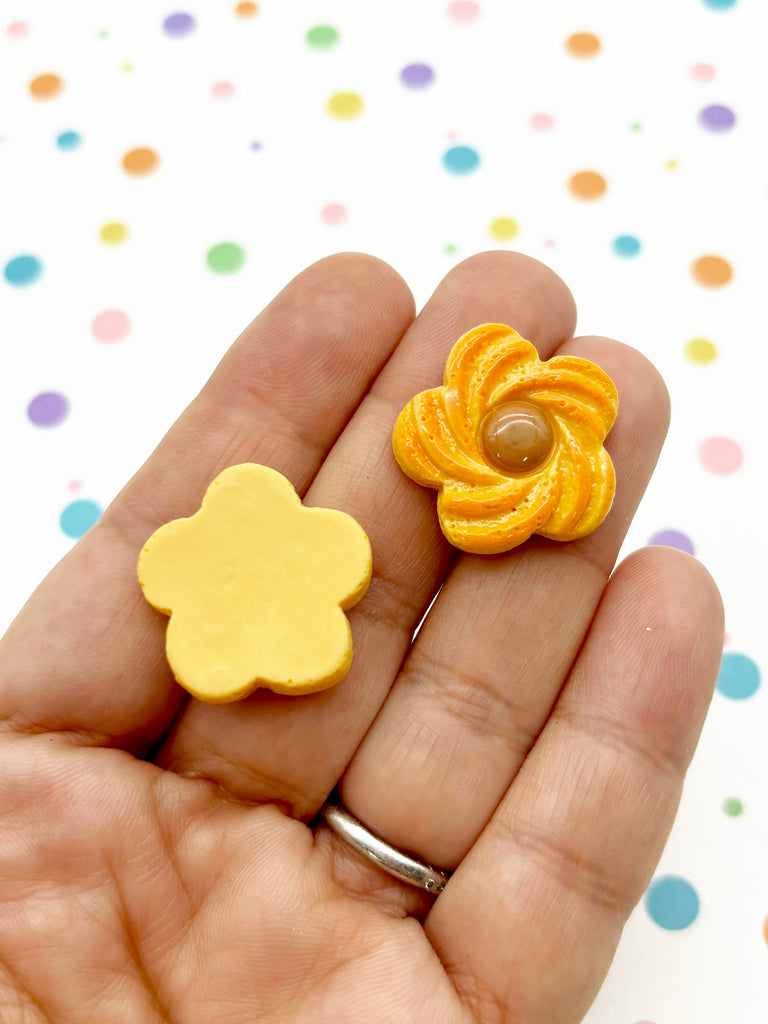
column 126, row 66
column 503, row 229
column 45, row 87
column 582, row 44
column 345, row 106
column 671, row 165
column 139, row 162
column 701, row 351
column 246, row 9
column 711, row 271
column 587, row 185
column 113, row 233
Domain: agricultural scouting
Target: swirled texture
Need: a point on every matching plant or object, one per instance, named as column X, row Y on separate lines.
column 437, row 441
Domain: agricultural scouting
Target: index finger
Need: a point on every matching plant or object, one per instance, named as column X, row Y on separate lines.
column 86, row 653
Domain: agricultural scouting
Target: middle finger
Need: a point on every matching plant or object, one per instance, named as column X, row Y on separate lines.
column 294, row 749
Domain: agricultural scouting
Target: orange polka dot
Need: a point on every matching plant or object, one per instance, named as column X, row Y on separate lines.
column 582, row 44
column 139, row 162
column 765, row 929
column 45, row 87
column 246, row 9
column 711, row 271
column 587, row 185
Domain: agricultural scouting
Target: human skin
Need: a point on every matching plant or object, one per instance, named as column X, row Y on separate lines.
column 159, row 857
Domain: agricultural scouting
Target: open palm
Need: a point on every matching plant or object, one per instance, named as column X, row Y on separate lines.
column 157, row 855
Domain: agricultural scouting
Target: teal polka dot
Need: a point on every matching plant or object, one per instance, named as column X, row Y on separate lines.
column 672, row 902
column 739, row 676
column 69, row 141
column 79, row 516
column 719, row 5
column 626, row 246
column 461, row 160
column 23, row 270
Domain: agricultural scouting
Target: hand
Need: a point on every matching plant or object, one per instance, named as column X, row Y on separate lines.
column 156, row 857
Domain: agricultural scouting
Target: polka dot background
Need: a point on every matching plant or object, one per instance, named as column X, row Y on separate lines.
column 167, row 169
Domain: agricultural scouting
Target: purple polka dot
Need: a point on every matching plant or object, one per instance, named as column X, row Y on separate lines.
column 179, row 24
column 673, row 539
column 417, row 76
column 717, row 118
column 48, row 409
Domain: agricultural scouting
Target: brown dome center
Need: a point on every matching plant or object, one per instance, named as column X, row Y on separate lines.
column 516, row 437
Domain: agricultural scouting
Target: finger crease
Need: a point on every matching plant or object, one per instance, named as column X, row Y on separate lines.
column 484, row 705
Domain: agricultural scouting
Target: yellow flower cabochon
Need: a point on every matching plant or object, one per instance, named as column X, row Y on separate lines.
column 256, row 584
column 514, row 445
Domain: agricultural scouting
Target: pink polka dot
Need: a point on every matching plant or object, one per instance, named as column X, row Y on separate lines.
column 720, row 455
column 75, row 485
column 17, row 29
column 541, row 122
column 222, row 90
column 463, row 10
column 111, row 325
column 333, row 213
column 703, row 72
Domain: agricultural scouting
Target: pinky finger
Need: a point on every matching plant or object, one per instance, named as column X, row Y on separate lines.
column 530, row 922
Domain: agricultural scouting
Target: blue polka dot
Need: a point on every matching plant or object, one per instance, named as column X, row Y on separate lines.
column 69, row 141
column 461, row 160
column 739, row 676
column 626, row 246
column 23, row 270
column 672, row 902
column 79, row 516
column 719, row 5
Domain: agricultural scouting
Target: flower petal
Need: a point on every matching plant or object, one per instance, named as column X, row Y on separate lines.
column 579, row 389
column 603, row 485
column 493, row 534
column 483, row 356
column 427, row 442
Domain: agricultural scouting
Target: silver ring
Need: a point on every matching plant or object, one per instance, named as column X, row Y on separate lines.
column 388, row 858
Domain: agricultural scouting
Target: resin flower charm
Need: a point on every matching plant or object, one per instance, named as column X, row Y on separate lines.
column 513, row 445
column 255, row 584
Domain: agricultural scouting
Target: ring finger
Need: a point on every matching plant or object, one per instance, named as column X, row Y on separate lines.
column 494, row 652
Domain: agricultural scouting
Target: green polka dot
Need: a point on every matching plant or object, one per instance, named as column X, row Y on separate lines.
column 322, row 37
column 225, row 258
column 733, row 807
column 450, row 249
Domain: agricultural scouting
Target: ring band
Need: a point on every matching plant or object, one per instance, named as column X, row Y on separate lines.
column 396, row 863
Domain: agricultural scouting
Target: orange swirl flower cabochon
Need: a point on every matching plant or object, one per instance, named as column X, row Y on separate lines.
column 514, row 445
